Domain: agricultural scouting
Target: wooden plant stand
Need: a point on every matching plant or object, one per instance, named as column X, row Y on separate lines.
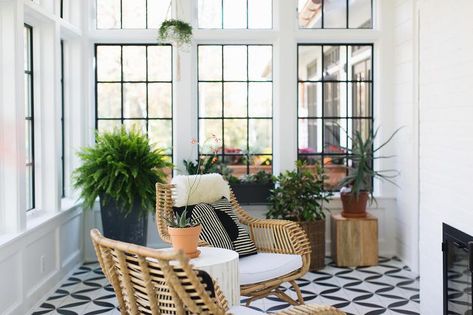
column 354, row 241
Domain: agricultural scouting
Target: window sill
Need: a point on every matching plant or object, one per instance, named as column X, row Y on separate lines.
column 37, row 218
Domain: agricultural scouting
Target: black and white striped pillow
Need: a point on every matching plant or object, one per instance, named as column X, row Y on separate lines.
column 221, row 227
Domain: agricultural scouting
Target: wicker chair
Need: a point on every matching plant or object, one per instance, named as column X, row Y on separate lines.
column 149, row 281
column 270, row 236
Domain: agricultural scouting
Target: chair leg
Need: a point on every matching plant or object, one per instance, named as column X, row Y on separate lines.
column 298, row 292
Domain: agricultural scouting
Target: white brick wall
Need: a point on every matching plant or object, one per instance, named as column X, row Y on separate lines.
column 446, row 134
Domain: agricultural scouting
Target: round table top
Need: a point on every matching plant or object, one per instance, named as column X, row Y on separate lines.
column 210, row 256
column 213, row 256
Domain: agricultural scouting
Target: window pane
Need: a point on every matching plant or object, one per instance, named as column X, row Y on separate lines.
column 234, row 14
column 109, row 100
column 361, row 125
column 360, row 14
column 160, row 100
column 260, row 163
column 234, row 137
column 134, row 13
column 310, row 97
column 235, row 63
column 210, row 63
column 134, row 100
column 335, row 169
column 108, row 14
column 334, row 99
column 334, row 62
column 310, row 62
column 310, row 136
column 28, row 96
column 29, row 141
column 159, row 63
column 207, row 129
column 108, row 63
column 138, row 125
column 210, row 13
column 260, row 65
column 260, row 99
column 361, row 100
column 260, row 136
column 210, row 99
column 237, row 163
column 334, row 14
column 333, row 133
column 158, row 11
column 235, row 99
column 134, row 63
column 160, row 134
column 360, row 61
column 29, row 188
column 260, row 14
column 108, row 125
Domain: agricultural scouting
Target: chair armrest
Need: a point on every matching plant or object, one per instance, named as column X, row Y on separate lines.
column 279, row 236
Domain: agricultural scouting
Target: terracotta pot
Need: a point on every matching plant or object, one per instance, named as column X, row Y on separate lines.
column 186, row 239
column 354, row 207
column 315, row 231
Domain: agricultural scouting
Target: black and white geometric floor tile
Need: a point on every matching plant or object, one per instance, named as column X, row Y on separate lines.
column 389, row 288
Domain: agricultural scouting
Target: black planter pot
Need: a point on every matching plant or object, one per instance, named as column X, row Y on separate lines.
column 132, row 228
column 252, row 193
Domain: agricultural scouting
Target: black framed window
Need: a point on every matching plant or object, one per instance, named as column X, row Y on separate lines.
column 235, row 14
column 63, row 174
column 29, row 117
column 134, row 88
column 235, row 97
column 131, row 14
column 338, row 14
column 335, row 99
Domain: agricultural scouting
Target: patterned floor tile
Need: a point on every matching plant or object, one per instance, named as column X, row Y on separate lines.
column 389, row 288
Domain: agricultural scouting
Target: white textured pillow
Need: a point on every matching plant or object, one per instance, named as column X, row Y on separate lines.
column 205, row 188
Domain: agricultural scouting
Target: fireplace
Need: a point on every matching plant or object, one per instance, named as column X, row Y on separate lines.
column 457, row 250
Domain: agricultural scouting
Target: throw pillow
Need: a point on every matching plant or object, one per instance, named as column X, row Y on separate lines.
column 221, row 227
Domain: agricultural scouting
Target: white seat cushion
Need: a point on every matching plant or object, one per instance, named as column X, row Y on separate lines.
column 243, row 310
column 267, row 266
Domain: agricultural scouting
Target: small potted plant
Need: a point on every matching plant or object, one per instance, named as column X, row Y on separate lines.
column 299, row 196
column 122, row 170
column 184, row 233
column 356, row 187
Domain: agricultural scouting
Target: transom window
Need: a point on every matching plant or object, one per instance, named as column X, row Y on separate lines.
column 236, row 103
column 134, row 88
column 132, row 14
column 235, row 14
column 335, row 13
column 29, row 118
column 335, row 99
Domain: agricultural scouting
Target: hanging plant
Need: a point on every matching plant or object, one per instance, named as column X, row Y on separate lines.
column 176, row 31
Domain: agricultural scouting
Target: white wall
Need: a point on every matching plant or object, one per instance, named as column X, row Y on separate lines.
column 33, row 263
column 406, row 107
column 446, row 137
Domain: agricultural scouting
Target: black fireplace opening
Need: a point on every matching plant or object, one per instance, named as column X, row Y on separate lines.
column 457, row 248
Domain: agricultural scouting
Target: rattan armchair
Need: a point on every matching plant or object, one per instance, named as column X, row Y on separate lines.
column 270, row 236
column 149, row 281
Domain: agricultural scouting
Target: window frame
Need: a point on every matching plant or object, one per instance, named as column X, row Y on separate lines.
column 122, row 119
column 348, row 82
column 29, row 120
column 246, row 156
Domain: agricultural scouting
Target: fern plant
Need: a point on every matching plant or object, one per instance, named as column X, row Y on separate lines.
column 121, row 167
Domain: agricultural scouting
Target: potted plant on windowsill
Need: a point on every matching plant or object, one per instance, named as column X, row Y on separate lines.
column 356, row 187
column 299, row 196
column 122, row 170
column 252, row 188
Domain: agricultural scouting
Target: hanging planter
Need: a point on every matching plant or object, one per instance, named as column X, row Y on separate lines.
column 177, row 32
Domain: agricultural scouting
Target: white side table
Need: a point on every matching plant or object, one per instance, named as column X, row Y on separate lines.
column 222, row 265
